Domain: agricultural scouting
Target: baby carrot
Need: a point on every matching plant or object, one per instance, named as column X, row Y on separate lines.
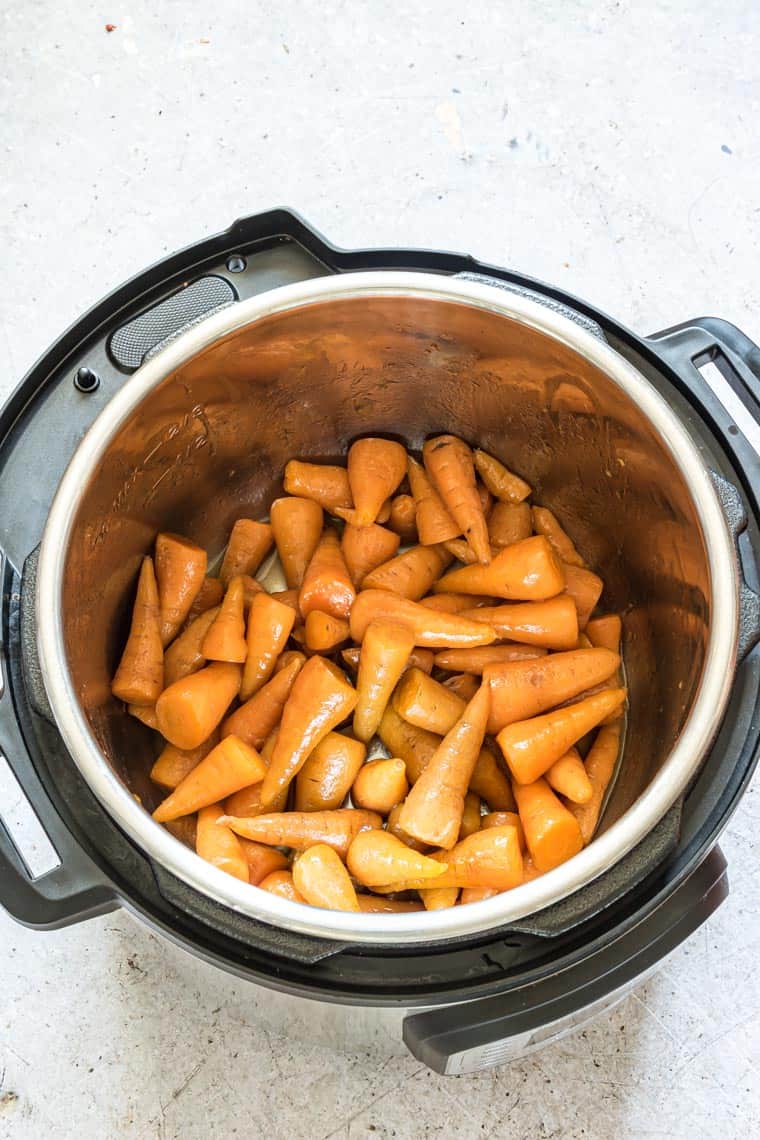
column 600, row 767
column 384, row 514
column 180, row 573
column 470, row 816
column 530, row 870
column 546, row 523
column 255, row 719
column 227, row 768
column 485, row 496
column 393, row 828
column 327, row 585
column 372, row 904
column 418, row 658
column 184, row 829
column 377, row 858
column 460, row 549
column 322, row 880
column 501, row 819
column 375, row 469
column 249, row 542
column 140, row 676
column 225, row 638
column 411, row 574
column 434, row 523
column 281, row 883
column 568, row 777
column 209, row 595
column 413, row 745
column 218, row 845
column 552, row 834
column 508, row 523
column 303, row 829
column 325, row 633
column 476, row 660
column 487, row 858
column 463, row 684
column 431, row 629
column 269, row 626
column 185, row 654
column 605, row 632
column 325, row 484
column 380, row 785
column 403, row 518
column 432, row 811
column 451, row 603
column 261, row 860
column 477, row 894
column 365, row 547
column 190, row 709
column 585, row 589
column 318, row 702
column 530, row 747
column 501, row 482
column 439, row 898
column 490, row 783
column 247, row 801
column 522, row 689
column 526, row 571
column 174, row 763
column 296, row 526
column 144, row 713
column 251, row 587
column 427, row 703
column 330, row 769
column 384, row 657
column 551, row 625
column 449, row 463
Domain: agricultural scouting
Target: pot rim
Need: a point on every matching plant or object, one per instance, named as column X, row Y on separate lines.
column 418, row 927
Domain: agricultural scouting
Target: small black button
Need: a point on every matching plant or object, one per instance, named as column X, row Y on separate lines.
column 236, row 263
column 86, row 380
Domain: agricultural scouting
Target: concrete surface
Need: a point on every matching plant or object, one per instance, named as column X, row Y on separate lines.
column 610, row 147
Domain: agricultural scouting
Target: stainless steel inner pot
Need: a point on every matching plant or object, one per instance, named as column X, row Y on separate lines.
column 200, row 434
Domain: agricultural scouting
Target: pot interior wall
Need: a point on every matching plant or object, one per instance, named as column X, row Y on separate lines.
column 209, row 444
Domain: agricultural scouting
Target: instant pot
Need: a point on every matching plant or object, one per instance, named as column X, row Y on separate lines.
column 174, row 405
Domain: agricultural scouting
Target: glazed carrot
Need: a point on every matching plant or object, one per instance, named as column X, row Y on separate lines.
column 376, row 858
column 600, row 768
column 502, row 819
column 490, row 858
column 254, row 720
column 318, row 702
column 190, row 709
column 439, row 898
column 384, row 514
column 550, row 625
column 530, row 747
column 140, row 676
column 546, row 523
column 432, row 811
column 227, row 768
column 477, row 894
column 384, row 657
column 247, row 801
column 184, row 829
column 403, row 518
column 434, row 523
column 287, row 598
column 218, row 845
column 185, row 654
column 281, row 883
column 209, row 596
column 476, row 660
column 365, row 547
column 261, row 860
column 508, row 523
column 269, row 626
column 371, row 904
column 225, row 638
column 303, row 829
column 144, row 713
column 375, row 469
column 552, row 834
column 491, row 783
column 180, row 573
column 330, row 769
column 501, row 482
column 418, row 658
column 526, row 571
column 449, row 463
column 251, row 587
column 427, row 703
column 411, row 574
column 413, row 745
column 393, row 828
column 327, row 585
column 249, row 542
column 486, row 498
column 322, row 880
column 463, row 685
column 605, row 632
column 530, row 870
column 174, row 764
column 325, row 633
column 522, row 689
column 460, row 549
column 568, row 777
column 296, row 526
column 452, row 603
column 470, row 816
column 431, row 629
column 380, row 785
column 585, row 589
column 325, row 484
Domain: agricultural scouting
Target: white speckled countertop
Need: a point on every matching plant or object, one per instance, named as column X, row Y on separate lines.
column 609, row 147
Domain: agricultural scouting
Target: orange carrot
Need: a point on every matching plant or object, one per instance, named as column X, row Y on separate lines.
column 365, row 547
column 432, row 811
column 144, row 713
column 585, row 589
column 296, row 526
column 508, row 523
column 418, row 658
column 490, row 782
column 486, row 498
column 384, row 657
column 552, row 834
column 371, row 904
column 522, row 689
column 463, row 685
column 227, row 768
column 376, row 858
column 452, row 603
column 411, row 574
column 318, row 702
column 393, row 828
column 184, row 829
column 384, row 514
column 434, row 523
column 303, row 829
column 449, row 463
column 375, row 469
column 325, row 633
column 476, row 660
column 431, row 629
column 530, row 747
column 180, row 573
column 403, row 518
column 330, row 769
column 477, row 894
column 427, row 703
column 439, row 898
column 251, row 587
column 546, row 523
column 380, row 785
column 568, row 777
column 218, row 845
column 526, row 571
column 209, row 596
column 460, row 549
column 281, row 883
column 501, row 819
column 247, row 801
column 530, row 870
column 269, row 626
column 600, row 768
column 249, row 542
column 225, row 638
column 185, row 654
column 470, row 816
column 190, row 709
column 551, row 625
column 261, row 860
column 140, row 676
column 323, row 881
column 327, row 585
column 413, row 745
column 254, row 720
column 174, row 763
column 605, row 632
column 490, row 858
column 501, row 482
column 325, row 484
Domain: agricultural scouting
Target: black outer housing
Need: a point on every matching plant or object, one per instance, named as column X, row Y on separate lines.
column 101, row 869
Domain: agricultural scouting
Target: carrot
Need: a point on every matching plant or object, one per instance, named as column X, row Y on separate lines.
column 249, row 542
column 432, row 811
column 254, row 720
column 452, row 603
column 403, row 518
column 460, row 549
column 418, row 658
column 174, row 764
column 585, row 589
column 490, row 858
column 434, row 523
column 501, row 819
column 431, row 629
column 209, row 595
column 375, row 469
column 550, row 625
column 491, row 783
column 185, row 654
column 296, row 526
column 477, row 894
column 247, row 801
column 365, row 547
column 530, row 747
column 261, row 860
column 327, row 585
column 325, row 633
column 225, row 638
column 449, row 463
column 501, row 482
column 384, row 514
column 330, row 769
column 508, row 523
column 318, row 702
column 180, row 573
column 568, row 777
column 320, row 877
column 384, row 657
column 470, row 816
column 463, row 685
column 303, row 829
column 371, row 904
column 546, row 523
column 321, row 482
column 486, row 498
column 144, row 713
column 376, row 858
column 522, row 689
column 227, row 768
column 526, row 571
column 439, row 898
column 269, row 626
column 218, row 845
column 190, row 709
column 281, row 883
column 380, row 785
column 600, row 768
column 139, row 678
column 605, row 632
column 393, row 828
column 476, row 660
column 411, row 574
column 413, row 745
column 552, row 833
column 184, row 829
column 427, row 703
